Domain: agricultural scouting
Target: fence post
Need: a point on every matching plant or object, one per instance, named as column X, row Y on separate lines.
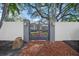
column 26, row 30
column 52, row 32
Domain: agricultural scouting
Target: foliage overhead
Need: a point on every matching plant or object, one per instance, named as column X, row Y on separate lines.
column 55, row 11
column 58, row 11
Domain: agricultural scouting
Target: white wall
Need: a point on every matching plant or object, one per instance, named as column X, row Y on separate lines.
column 11, row 30
column 66, row 31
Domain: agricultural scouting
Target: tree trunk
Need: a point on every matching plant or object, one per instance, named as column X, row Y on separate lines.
column 4, row 13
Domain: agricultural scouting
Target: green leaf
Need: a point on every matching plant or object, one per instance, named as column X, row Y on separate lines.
column 13, row 8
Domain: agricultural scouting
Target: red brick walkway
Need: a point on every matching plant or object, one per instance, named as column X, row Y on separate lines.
column 45, row 48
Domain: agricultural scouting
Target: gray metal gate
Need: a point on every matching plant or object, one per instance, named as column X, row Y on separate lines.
column 32, row 32
column 38, row 32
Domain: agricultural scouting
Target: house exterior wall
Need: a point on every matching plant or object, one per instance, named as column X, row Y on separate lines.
column 66, row 31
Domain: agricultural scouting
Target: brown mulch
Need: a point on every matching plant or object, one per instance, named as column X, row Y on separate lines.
column 46, row 48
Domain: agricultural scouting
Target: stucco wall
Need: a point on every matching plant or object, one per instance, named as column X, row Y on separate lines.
column 66, row 31
column 11, row 30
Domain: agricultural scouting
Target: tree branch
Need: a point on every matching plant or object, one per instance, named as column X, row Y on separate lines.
column 37, row 10
column 60, row 9
column 64, row 15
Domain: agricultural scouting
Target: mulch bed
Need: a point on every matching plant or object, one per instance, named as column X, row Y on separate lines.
column 46, row 48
